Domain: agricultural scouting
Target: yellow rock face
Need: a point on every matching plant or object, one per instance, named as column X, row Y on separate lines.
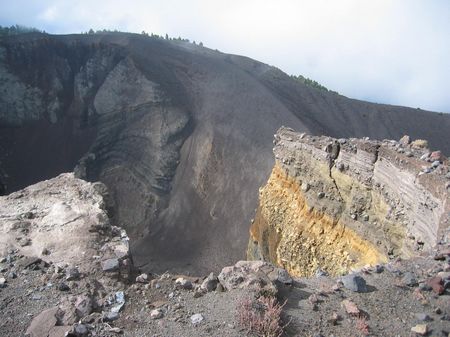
column 301, row 239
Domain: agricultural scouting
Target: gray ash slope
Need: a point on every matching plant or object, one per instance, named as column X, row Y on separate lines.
column 181, row 134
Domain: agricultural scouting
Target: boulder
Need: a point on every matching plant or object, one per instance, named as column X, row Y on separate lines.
column 354, row 283
column 258, row 275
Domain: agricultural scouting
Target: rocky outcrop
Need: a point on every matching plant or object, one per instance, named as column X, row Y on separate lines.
column 337, row 204
column 42, row 221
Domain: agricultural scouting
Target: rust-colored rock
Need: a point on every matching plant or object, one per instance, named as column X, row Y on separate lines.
column 436, row 284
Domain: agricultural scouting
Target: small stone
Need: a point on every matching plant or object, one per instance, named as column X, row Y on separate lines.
column 23, row 242
column 313, row 299
column 198, row 293
column 110, row 265
column 409, row 279
column 156, row 314
column 305, row 187
column 143, row 278
column 424, row 287
column 420, row 329
column 435, row 164
column 378, row 269
column 2, row 282
column 63, row 287
column 83, row 306
column 436, row 156
column 183, row 283
column 72, row 274
column 45, row 251
column 111, row 316
column 365, row 217
column 354, row 283
column 210, row 283
column 423, row 317
column 197, row 319
column 115, row 330
column 420, row 144
column 320, row 195
column 350, row 307
column 405, row 140
column 81, row 330
column 425, row 156
column 320, row 272
column 28, row 215
column 334, row 318
column 220, row 288
column 436, row 284
column 12, row 275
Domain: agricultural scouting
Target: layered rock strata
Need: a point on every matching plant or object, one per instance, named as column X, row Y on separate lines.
column 337, row 204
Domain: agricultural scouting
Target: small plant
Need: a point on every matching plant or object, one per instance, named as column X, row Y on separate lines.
column 261, row 317
column 362, row 325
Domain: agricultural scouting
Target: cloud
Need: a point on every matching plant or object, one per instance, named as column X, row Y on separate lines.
column 385, row 51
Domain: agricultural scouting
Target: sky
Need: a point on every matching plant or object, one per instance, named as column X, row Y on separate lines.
column 385, row 51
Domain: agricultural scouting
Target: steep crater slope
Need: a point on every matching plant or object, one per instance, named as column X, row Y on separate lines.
column 180, row 134
column 336, row 205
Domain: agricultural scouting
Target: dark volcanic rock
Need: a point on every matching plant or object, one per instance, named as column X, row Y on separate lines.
column 180, row 134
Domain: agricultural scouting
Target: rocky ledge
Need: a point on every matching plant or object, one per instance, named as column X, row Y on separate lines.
column 332, row 205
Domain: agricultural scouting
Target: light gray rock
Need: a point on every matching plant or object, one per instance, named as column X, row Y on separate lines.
column 111, row 316
column 156, row 314
column 354, row 283
column 183, row 283
column 110, row 265
column 197, row 319
column 409, row 279
column 143, row 278
column 254, row 275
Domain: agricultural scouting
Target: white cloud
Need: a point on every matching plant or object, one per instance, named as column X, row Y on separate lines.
column 393, row 51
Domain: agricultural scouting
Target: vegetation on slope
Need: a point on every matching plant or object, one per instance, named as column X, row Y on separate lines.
column 311, row 83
